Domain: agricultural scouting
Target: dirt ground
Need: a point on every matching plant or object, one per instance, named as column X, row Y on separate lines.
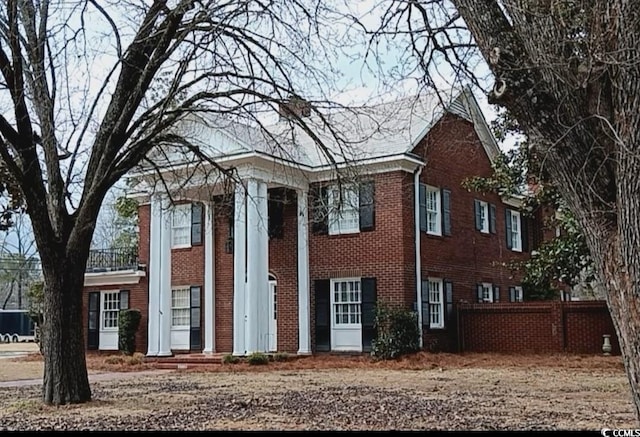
column 420, row 392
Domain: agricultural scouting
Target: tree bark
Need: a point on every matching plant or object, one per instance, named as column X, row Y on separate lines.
column 585, row 129
column 65, row 380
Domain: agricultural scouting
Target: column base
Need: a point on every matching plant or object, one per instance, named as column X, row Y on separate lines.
column 207, row 351
column 304, row 352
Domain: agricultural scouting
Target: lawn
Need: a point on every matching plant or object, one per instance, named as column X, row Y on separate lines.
column 420, row 392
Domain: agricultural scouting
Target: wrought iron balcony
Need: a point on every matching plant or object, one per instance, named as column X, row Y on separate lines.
column 109, row 260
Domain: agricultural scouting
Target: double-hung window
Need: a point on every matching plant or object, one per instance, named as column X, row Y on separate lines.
column 433, row 211
column 488, row 292
column 514, row 230
column 516, row 294
column 181, row 226
column 180, row 307
column 344, row 217
column 436, row 303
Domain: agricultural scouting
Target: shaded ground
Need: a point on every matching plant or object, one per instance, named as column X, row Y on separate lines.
column 425, row 391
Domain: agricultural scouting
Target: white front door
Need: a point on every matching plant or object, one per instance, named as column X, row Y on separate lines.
column 346, row 315
column 273, row 316
column 109, row 309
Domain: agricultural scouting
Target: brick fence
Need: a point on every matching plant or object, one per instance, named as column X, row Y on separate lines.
column 536, row 327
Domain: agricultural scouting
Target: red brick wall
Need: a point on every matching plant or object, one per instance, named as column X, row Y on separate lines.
column 283, row 263
column 137, row 300
column 453, row 153
column 379, row 253
column 536, row 327
column 223, row 273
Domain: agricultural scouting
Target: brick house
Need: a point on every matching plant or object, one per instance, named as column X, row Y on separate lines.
column 393, row 225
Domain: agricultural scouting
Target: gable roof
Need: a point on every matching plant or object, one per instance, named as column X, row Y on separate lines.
column 347, row 135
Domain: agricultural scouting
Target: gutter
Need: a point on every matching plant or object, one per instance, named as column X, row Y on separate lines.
column 416, row 183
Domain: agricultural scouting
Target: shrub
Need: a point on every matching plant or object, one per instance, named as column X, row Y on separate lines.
column 128, row 323
column 281, row 356
column 397, row 332
column 229, row 359
column 257, row 358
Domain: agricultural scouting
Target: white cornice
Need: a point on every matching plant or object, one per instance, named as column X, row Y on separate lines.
column 124, row 277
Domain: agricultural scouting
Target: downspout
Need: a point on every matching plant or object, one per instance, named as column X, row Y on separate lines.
column 416, row 213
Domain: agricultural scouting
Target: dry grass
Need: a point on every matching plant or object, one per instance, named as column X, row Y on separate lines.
column 328, row 392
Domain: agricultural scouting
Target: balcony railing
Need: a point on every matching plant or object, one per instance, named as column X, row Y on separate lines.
column 109, row 260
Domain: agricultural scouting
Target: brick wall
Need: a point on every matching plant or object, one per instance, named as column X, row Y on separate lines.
column 536, row 327
column 453, row 153
column 378, row 254
column 137, row 300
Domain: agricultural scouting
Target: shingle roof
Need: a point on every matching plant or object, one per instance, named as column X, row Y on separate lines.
column 390, row 128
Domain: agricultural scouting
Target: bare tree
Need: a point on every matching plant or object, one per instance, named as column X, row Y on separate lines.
column 19, row 263
column 568, row 71
column 90, row 87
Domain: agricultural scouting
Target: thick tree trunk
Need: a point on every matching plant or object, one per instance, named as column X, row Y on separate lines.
column 65, row 371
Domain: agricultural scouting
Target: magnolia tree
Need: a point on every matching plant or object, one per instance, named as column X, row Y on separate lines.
column 568, row 72
column 89, row 87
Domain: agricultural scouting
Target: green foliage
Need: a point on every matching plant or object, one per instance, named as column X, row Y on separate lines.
column 520, row 172
column 562, row 260
column 126, row 222
column 397, row 332
column 257, row 358
column 229, row 359
column 128, row 323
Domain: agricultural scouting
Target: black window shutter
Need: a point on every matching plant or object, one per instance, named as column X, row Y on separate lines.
column 196, row 223
column 479, row 290
column 369, row 298
column 524, row 230
column 367, row 207
column 195, row 342
column 446, row 212
column 275, row 207
column 124, row 299
column 422, row 199
column 228, row 245
column 492, row 219
column 448, row 302
column 507, row 226
column 496, row 294
column 320, row 215
column 323, row 314
column 512, row 294
column 477, row 208
column 426, row 314
column 93, row 328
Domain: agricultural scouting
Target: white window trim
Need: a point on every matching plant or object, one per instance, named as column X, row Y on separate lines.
column 484, row 208
column 176, row 208
column 333, row 281
column 438, row 211
column 188, row 307
column 440, row 283
column 488, row 285
column 519, row 294
column 515, row 216
column 102, row 310
column 334, row 219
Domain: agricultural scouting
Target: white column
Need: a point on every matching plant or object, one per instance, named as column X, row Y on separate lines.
column 209, row 278
column 165, row 280
column 155, row 229
column 253, row 252
column 239, row 270
column 262, row 258
column 304, row 328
